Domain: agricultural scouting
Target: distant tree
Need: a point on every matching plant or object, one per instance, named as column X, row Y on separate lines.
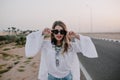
column 13, row 30
column 9, row 30
column 17, row 31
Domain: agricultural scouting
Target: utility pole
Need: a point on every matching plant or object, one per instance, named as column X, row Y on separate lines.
column 91, row 20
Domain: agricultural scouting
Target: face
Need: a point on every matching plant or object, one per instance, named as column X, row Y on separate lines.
column 59, row 33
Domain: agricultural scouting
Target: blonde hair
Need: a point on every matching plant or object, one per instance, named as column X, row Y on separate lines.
column 65, row 40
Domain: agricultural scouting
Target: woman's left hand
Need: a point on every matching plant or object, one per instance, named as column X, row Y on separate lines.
column 73, row 35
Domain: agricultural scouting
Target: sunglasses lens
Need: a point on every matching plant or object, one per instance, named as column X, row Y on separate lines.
column 55, row 31
column 61, row 32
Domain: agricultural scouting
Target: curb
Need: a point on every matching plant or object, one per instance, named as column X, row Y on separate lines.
column 113, row 40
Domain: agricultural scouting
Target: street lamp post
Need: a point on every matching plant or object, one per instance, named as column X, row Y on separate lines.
column 91, row 20
column 91, row 15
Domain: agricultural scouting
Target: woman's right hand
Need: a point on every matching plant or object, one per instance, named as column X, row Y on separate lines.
column 46, row 32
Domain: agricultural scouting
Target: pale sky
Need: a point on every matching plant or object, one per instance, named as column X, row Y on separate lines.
column 78, row 15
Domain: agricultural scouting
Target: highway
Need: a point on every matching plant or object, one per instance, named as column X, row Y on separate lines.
column 107, row 65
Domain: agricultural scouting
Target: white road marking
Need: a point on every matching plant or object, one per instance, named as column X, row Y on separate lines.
column 86, row 74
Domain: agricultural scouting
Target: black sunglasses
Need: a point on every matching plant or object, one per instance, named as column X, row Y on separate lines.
column 63, row 32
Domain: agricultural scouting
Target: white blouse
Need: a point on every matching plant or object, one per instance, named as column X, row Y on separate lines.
column 67, row 63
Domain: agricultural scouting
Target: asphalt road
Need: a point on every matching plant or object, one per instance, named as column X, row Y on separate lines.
column 107, row 65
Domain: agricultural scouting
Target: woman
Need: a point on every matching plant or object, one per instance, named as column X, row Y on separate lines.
column 58, row 48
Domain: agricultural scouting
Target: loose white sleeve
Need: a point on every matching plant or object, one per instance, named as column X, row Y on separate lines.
column 75, row 68
column 33, row 43
column 85, row 46
column 43, row 72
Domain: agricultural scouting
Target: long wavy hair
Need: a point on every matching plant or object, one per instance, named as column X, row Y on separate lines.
column 65, row 40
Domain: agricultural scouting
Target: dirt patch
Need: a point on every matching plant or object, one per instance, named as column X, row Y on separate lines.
column 15, row 66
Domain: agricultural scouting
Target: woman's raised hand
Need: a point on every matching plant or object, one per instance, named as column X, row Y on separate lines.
column 46, row 32
column 72, row 35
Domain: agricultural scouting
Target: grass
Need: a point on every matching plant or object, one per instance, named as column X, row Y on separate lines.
column 1, row 46
column 22, row 66
column 9, row 67
column 13, row 47
column 30, row 58
column 16, row 62
column 19, row 46
column 21, row 70
column 2, row 65
column 18, row 57
column 6, row 56
column 27, row 61
column 4, row 70
column 6, row 49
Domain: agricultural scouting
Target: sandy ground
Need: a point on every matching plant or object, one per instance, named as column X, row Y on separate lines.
column 15, row 66
column 3, row 33
column 19, row 67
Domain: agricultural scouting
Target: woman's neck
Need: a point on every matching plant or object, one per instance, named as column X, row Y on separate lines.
column 59, row 43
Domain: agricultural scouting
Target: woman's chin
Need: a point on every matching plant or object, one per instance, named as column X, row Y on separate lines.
column 59, row 39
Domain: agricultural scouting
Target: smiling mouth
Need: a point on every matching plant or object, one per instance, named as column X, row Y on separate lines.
column 59, row 37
